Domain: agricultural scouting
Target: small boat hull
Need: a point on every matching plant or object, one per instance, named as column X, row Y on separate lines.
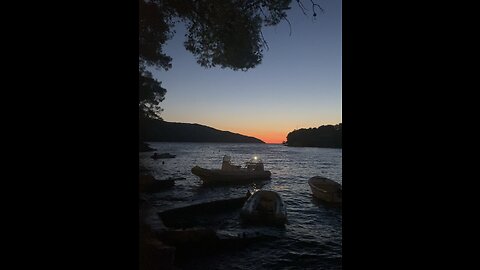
column 162, row 156
column 326, row 189
column 227, row 177
column 264, row 207
column 191, row 215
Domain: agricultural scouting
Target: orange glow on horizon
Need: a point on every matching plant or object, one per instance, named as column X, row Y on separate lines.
column 267, row 133
column 271, row 131
column 271, row 134
column 269, row 137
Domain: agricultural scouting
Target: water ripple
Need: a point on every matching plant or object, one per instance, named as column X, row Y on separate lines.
column 313, row 237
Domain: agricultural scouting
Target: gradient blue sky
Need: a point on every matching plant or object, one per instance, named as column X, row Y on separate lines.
column 297, row 85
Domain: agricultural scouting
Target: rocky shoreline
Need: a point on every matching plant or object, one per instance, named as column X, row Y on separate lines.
column 165, row 238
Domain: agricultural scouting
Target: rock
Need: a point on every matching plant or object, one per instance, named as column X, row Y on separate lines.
column 154, row 254
column 189, row 237
column 143, row 147
column 148, row 183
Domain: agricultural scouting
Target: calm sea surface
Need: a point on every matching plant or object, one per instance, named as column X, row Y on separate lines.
column 313, row 237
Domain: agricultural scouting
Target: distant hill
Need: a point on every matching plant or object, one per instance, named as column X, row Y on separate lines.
column 162, row 131
column 329, row 136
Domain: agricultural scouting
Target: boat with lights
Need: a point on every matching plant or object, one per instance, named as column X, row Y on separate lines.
column 233, row 174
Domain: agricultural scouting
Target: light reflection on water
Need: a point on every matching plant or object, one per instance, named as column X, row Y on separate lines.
column 313, row 237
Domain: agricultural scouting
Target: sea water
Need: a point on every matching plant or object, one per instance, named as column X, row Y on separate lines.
column 312, row 239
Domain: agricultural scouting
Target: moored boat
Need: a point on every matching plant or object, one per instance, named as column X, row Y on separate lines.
column 149, row 184
column 162, row 156
column 265, row 207
column 233, row 174
column 326, row 189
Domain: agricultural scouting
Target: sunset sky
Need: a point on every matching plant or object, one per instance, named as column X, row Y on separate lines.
column 297, row 85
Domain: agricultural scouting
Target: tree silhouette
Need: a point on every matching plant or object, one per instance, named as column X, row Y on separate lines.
column 224, row 33
column 323, row 136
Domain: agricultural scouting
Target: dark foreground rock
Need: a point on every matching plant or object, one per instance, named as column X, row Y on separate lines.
column 203, row 240
column 154, row 254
